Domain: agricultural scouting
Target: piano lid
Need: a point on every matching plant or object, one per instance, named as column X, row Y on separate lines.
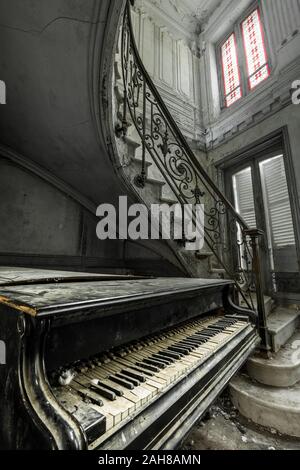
column 16, row 276
column 45, row 299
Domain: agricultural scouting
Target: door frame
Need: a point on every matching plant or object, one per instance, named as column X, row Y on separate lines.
column 271, row 145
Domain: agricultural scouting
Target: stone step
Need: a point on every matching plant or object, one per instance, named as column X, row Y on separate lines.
column 169, row 201
column 282, row 324
column 281, row 369
column 275, row 408
column 155, row 174
column 168, row 193
column 132, row 145
column 269, row 303
column 137, row 166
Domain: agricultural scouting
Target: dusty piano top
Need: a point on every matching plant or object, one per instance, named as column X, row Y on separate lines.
column 42, row 293
column 12, row 276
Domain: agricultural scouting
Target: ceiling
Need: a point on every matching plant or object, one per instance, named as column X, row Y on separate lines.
column 190, row 14
column 199, row 9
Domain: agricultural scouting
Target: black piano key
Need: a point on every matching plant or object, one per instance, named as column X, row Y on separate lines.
column 200, row 336
column 194, row 341
column 134, row 375
column 164, row 357
column 208, row 331
column 155, row 362
column 147, row 367
column 172, row 354
column 217, row 326
column 88, row 397
column 189, row 343
column 226, row 323
column 218, row 329
column 134, row 382
column 185, row 345
column 204, row 334
column 166, row 361
column 122, row 382
column 103, row 392
column 141, row 370
column 198, row 340
column 115, row 390
column 178, row 349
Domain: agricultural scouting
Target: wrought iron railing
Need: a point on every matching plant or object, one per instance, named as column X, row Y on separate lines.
column 234, row 245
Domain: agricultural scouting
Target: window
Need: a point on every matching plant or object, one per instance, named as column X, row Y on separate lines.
column 255, row 50
column 244, row 58
column 231, row 74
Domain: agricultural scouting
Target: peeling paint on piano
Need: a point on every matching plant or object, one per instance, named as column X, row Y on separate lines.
column 22, row 308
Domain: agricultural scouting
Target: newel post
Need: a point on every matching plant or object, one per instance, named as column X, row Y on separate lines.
column 255, row 237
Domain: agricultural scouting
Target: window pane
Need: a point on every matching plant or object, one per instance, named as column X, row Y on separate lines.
column 257, row 61
column 231, row 74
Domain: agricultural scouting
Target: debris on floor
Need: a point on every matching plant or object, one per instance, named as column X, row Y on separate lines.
column 223, row 428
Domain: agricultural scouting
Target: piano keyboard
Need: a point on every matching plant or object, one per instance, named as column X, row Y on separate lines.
column 108, row 390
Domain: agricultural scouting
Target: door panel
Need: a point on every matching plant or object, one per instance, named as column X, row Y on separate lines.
column 260, row 193
column 277, row 202
column 244, row 196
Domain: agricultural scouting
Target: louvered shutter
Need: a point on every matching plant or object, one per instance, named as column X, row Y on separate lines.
column 244, row 198
column 277, row 202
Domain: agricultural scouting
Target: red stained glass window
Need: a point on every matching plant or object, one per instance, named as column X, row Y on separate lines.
column 231, row 73
column 255, row 49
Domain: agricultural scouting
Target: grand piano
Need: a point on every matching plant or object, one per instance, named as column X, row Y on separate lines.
column 114, row 362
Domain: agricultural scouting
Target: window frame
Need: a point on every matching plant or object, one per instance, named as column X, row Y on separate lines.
column 241, row 55
column 221, row 71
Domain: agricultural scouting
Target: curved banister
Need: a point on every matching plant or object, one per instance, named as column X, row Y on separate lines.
column 226, row 233
column 173, row 124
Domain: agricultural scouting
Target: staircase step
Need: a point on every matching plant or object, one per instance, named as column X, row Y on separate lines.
column 269, row 303
column 155, row 174
column 166, row 200
column 155, row 182
column 281, row 369
column 139, row 153
column 168, row 193
column 275, row 408
column 136, row 167
column 282, row 324
column 133, row 145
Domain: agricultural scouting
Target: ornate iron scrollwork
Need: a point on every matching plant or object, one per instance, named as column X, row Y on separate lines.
column 225, row 230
